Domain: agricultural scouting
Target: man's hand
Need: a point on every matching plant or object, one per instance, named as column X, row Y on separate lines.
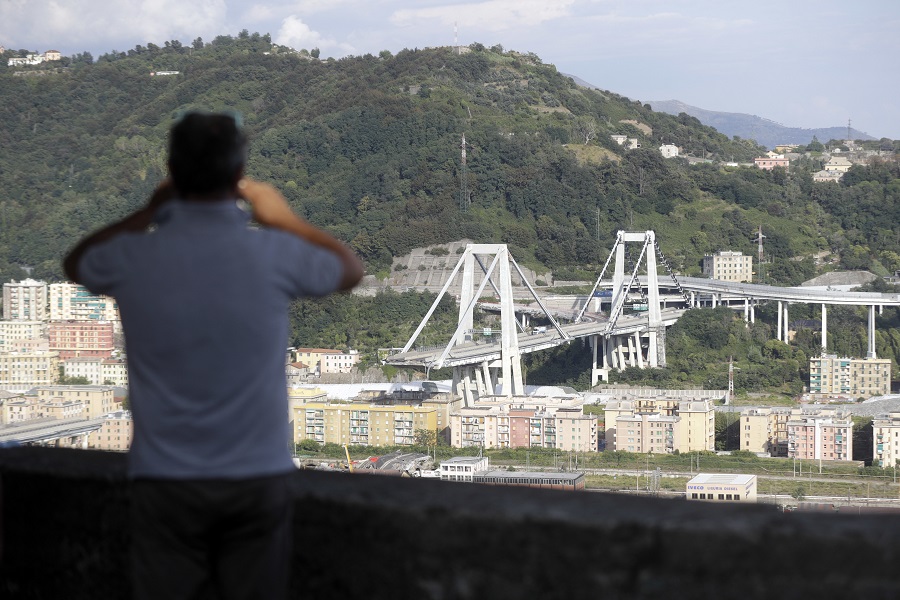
column 270, row 209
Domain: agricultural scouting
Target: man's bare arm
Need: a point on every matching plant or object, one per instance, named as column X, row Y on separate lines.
column 136, row 221
column 272, row 210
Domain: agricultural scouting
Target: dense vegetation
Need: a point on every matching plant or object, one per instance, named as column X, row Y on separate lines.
column 369, row 147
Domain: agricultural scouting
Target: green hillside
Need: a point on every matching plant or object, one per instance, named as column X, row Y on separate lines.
column 369, row 147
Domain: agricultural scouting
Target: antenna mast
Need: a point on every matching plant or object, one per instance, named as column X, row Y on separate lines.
column 848, row 131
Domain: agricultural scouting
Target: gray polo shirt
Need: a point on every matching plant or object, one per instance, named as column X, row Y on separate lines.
column 204, row 301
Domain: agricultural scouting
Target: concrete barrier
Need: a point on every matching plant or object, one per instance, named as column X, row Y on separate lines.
column 65, row 535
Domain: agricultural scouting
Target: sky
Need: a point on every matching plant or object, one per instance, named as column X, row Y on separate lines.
column 801, row 63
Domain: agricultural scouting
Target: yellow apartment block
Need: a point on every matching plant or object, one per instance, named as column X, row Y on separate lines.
column 830, row 375
column 764, row 430
column 21, row 371
column 886, row 439
column 98, row 400
column 661, row 425
column 115, row 433
column 359, row 422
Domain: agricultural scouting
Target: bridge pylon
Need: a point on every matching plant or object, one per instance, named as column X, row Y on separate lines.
column 622, row 282
column 472, row 381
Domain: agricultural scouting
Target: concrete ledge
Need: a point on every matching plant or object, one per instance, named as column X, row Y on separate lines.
column 361, row 536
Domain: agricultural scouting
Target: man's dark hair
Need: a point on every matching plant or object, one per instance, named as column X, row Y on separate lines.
column 207, row 153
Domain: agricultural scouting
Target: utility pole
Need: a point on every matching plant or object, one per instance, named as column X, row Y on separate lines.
column 463, row 178
column 759, row 260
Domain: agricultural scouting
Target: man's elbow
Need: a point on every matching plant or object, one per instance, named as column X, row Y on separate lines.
column 353, row 272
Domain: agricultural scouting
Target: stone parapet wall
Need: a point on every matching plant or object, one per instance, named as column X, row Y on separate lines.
column 65, row 535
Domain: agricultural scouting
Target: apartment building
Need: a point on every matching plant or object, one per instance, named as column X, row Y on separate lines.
column 830, row 375
column 524, row 423
column 21, row 371
column 13, row 333
column 19, row 409
column 821, row 434
column 59, row 408
column 764, row 430
column 25, row 300
column 359, row 422
column 27, row 407
column 660, row 425
column 98, row 371
column 72, row 302
column 326, row 360
column 115, row 433
column 98, row 400
column 76, row 339
column 728, row 265
column 886, row 439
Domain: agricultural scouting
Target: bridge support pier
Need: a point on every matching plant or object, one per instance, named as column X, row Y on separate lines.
column 639, row 349
column 598, row 373
column 871, row 352
column 824, row 329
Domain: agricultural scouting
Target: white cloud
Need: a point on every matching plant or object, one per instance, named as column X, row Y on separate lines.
column 493, row 15
column 74, row 25
column 298, row 35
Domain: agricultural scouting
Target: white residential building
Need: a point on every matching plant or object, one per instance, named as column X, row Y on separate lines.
column 668, row 151
column 25, row 300
column 98, row 371
column 73, row 302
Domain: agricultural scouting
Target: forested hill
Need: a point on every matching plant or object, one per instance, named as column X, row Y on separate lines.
column 369, row 147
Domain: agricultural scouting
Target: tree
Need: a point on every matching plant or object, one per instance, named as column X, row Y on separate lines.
column 426, row 438
column 815, row 145
column 585, row 128
column 314, row 53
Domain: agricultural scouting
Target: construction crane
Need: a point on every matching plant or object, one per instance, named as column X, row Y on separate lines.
column 349, row 462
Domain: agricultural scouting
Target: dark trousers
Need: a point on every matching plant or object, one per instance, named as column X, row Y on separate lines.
column 211, row 538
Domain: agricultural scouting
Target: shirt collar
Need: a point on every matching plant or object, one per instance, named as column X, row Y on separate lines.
column 220, row 210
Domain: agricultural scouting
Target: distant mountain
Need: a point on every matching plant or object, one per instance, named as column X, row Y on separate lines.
column 766, row 133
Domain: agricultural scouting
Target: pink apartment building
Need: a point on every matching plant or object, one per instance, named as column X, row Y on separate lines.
column 820, row 437
column 81, row 339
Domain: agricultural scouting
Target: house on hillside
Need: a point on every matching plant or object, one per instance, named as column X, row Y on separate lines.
column 34, row 59
column 838, row 164
column 668, row 151
column 823, row 176
column 767, row 163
